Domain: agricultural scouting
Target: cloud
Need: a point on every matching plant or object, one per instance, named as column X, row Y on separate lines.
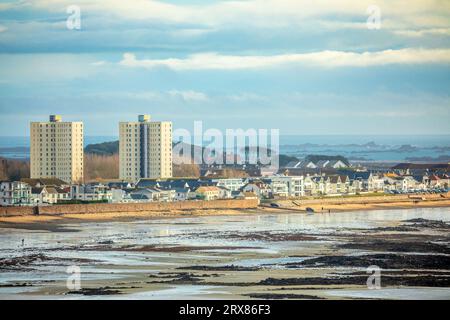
column 214, row 61
column 424, row 32
column 152, row 96
column 289, row 25
column 262, row 12
column 98, row 63
column 189, row 95
column 3, row 28
column 8, row 5
column 46, row 68
column 246, row 97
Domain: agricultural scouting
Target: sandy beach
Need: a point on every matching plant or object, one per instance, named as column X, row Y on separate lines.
column 51, row 222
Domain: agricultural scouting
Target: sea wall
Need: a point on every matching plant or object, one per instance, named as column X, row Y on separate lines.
column 362, row 199
column 129, row 207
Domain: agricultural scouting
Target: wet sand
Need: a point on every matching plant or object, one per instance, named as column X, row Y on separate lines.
column 54, row 223
column 250, row 255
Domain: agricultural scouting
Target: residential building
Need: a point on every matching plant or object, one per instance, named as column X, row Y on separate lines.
column 14, row 193
column 301, row 164
column 416, row 168
column 54, row 182
column 225, row 193
column 398, row 183
column 331, row 164
column 144, row 195
column 279, row 187
column 286, row 186
column 145, row 149
column 56, row 150
column 39, row 195
column 261, row 189
column 120, row 185
column 152, row 194
column 316, row 163
column 182, row 194
column 49, row 195
column 232, row 184
column 375, row 183
column 91, row 192
column 121, row 195
column 309, row 186
column 332, row 185
column 438, row 181
column 209, row 193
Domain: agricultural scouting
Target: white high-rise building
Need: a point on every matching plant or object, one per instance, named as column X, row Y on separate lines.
column 145, row 149
column 56, row 150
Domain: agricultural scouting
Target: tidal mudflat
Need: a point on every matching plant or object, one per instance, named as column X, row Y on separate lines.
column 274, row 256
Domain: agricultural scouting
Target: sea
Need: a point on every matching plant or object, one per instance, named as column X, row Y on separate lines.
column 417, row 148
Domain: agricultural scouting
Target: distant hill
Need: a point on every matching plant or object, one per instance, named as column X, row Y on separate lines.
column 112, row 148
column 103, row 149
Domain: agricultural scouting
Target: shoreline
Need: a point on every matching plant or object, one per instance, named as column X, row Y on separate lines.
column 362, row 206
column 54, row 223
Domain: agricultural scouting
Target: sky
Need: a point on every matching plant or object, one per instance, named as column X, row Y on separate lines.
column 304, row 67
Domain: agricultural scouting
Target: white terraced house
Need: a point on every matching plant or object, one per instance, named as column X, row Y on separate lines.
column 14, row 193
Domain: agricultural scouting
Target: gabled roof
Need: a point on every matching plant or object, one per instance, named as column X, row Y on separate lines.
column 293, row 164
column 334, row 179
column 182, row 190
column 334, row 163
column 145, row 183
column 145, row 191
column 139, row 196
column 37, row 190
column 207, row 189
column 51, row 190
column 173, row 183
column 44, row 182
column 322, row 163
column 259, row 184
column 120, row 185
column 337, row 178
column 356, row 175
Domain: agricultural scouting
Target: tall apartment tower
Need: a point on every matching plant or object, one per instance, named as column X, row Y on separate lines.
column 145, row 149
column 56, row 150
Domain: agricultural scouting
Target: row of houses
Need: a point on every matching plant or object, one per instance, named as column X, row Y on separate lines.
column 345, row 182
column 53, row 191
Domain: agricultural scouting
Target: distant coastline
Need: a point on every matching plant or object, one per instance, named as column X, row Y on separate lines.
column 431, row 148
